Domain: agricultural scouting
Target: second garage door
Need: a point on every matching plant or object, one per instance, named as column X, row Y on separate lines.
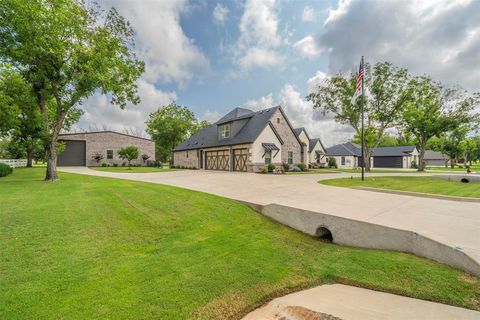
column 388, row 162
column 73, row 155
column 217, row 160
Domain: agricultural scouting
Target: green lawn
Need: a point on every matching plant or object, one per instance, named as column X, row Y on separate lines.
column 133, row 169
column 89, row 247
column 414, row 184
column 456, row 169
column 376, row 171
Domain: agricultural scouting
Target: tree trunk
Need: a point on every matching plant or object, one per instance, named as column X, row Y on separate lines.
column 366, row 161
column 421, row 156
column 452, row 163
column 51, row 174
column 29, row 157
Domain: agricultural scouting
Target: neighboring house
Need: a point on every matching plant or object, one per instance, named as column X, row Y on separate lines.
column 313, row 150
column 395, row 157
column 348, row 155
column 81, row 147
column 435, row 158
column 242, row 140
column 317, row 153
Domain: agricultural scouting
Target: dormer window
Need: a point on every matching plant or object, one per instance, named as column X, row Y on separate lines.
column 224, row 131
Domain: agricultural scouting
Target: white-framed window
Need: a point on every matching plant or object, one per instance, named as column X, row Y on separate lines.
column 343, row 161
column 109, row 154
column 290, row 157
column 224, row 131
column 268, row 157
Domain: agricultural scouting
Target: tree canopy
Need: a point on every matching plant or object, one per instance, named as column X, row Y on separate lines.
column 67, row 50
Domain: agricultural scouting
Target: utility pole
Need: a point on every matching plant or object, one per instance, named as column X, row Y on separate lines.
column 363, row 131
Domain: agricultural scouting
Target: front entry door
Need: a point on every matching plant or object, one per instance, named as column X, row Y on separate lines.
column 240, row 159
column 217, row 160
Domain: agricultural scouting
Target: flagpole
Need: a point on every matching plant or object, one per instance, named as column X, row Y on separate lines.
column 363, row 132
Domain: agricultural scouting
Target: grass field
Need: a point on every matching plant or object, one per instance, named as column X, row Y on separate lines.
column 414, row 184
column 456, row 169
column 89, row 247
column 376, row 171
column 132, row 169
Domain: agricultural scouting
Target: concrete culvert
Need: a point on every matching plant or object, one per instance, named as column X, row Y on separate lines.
column 324, row 234
column 465, row 180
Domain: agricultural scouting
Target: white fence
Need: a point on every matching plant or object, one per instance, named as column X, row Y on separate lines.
column 15, row 163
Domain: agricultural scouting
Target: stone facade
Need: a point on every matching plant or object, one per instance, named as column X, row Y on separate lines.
column 108, row 140
column 290, row 141
column 187, row 158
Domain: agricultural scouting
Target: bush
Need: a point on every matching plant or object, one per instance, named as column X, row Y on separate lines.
column 271, row 167
column 5, row 170
column 332, row 162
column 286, row 167
column 124, row 164
column 295, row 169
column 104, row 164
column 414, row 164
column 301, row 166
column 97, row 157
column 263, row 170
column 115, row 164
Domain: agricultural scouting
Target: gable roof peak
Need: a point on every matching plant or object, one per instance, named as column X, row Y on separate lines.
column 236, row 113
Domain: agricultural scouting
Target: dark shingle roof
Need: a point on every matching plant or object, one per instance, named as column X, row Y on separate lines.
column 313, row 142
column 393, row 151
column 345, row 149
column 434, row 155
column 208, row 137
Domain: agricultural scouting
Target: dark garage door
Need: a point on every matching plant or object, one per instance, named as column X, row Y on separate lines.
column 217, row 160
column 388, row 162
column 74, row 154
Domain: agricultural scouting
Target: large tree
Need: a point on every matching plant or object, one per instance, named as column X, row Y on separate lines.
column 169, row 126
column 432, row 110
column 451, row 143
column 67, row 51
column 387, row 93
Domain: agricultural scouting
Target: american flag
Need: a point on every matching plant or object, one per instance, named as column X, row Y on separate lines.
column 358, row 91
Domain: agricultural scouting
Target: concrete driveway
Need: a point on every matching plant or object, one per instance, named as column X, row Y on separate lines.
column 453, row 223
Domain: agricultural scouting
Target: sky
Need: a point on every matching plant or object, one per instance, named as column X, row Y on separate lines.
column 213, row 56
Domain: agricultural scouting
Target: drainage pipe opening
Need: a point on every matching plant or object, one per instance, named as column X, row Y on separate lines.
column 324, row 234
column 465, row 180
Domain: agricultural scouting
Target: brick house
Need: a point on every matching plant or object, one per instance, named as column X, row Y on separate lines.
column 81, row 147
column 243, row 140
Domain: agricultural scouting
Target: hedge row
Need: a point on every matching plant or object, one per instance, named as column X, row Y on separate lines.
column 5, row 169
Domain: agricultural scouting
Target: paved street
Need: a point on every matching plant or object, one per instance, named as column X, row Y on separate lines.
column 454, row 223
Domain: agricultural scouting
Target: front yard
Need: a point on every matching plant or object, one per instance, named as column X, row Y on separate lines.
column 89, row 247
column 413, row 184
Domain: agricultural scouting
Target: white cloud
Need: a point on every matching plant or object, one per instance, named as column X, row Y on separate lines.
column 258, row 33
column 260, row 57
column 440, row 38
column 100, row 113
column 308, row 13
column 315, row 81
column 307, row 47
column 220, row 13
column 211, row 116
column 260, row 103
column 170, row 56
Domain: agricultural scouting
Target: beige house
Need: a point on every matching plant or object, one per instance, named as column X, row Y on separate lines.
column 81, row 147
column 313, row 150
column 349, row 155
column 243, row 140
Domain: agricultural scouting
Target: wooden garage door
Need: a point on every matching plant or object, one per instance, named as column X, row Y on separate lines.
column 73, row 155
column 388, row 162
column 240, row 159
column 217, row 160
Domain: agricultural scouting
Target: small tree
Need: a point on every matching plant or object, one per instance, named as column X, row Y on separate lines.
column 145, row 157
column 97, row 157
column 128, row 153
column 332, row 162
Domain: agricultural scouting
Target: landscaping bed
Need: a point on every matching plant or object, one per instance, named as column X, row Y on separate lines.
column 91, row 247
column 133, row 169
column 427, row 185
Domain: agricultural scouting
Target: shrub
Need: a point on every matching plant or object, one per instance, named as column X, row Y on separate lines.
column 104, row 164
column 414, row 164
column 295, row 169
column 97, row 157
column 5, row 170
column 145, row 157
column 128, row 153
column 263, row 170
column 301, row 166
column 115, row 164
column 124, row 164
column 271, row 167
column 332, row 162
column 286, row 166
